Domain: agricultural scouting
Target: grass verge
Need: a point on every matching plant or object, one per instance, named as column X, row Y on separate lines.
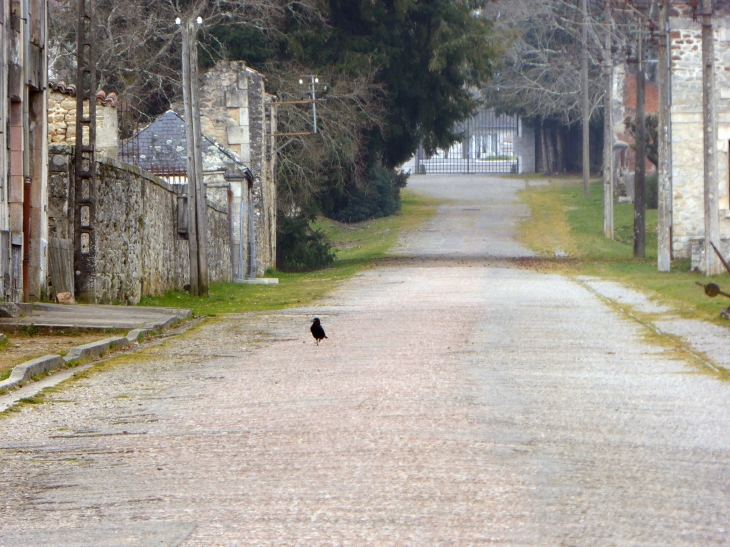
column 563, row 220
column 357, row 246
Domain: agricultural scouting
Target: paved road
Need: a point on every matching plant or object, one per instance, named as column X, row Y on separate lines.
column 458, row 401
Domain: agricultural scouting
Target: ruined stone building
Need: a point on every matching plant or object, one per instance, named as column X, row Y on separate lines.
column 140, row 215
column 238, row 169
column 23, row 149
column 238, row 114
column 687, row 128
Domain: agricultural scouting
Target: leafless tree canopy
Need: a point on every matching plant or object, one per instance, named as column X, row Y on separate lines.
column 351, row 105
column 138, row 43
column 540, row 75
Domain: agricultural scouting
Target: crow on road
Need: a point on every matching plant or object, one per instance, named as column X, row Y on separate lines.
column 317, row 330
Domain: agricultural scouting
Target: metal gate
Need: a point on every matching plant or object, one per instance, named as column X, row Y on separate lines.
column 488, row 146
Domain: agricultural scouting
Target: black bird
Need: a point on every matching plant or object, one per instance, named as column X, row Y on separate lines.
column 317, row 330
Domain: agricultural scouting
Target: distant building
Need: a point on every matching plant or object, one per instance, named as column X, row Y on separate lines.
column 492, row 144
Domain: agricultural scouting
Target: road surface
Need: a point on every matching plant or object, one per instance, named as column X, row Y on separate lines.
column 459, row 400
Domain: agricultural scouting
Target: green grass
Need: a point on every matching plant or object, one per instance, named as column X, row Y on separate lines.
column 564, row 220
column 357, row 245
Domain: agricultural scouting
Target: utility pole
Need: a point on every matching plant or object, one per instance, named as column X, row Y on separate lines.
column 608, row 127
column 664, row 251
column 85, row 160
column 640, row 168
column 712, row 229
column 586, row 105
column 197, row 208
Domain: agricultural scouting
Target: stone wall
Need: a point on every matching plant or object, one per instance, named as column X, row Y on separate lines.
column 139, row 251
column 687, row 129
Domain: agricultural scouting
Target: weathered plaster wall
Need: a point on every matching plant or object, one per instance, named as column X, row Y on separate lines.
column 687, row 129
column 139, row 250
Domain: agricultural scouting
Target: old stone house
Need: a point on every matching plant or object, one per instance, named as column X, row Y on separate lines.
column 23, row 149
column 238, row 114
column 160, row 148
column 687, row 128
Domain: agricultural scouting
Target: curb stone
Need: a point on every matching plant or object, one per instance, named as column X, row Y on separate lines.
column 94, row 350
column 24, row 372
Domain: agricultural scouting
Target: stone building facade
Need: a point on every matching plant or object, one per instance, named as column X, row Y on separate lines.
column 23, row 149
column 687, row 129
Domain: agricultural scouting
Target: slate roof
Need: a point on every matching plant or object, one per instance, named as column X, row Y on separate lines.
column 161, row 147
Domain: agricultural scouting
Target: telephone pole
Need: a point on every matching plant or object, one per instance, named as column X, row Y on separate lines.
column 197, row 208
column 586, row 104
column 640, row 168
column 712, row 264
column 608, row 127
column 664, row 236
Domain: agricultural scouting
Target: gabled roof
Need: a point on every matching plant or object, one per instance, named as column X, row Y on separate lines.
column 162, row 147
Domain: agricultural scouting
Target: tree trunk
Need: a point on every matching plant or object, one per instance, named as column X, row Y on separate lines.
column 664, row 252
column 560, row 151
column 544, row 149
column 640, row 171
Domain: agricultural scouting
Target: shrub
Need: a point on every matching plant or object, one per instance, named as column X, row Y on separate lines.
column 377, row 196
column 299, row 248
column 652, row 192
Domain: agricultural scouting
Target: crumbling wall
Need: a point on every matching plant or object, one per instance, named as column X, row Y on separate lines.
column 139, row 250
column 62, row 119
column 234, row 112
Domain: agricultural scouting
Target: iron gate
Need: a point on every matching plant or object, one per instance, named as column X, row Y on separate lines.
column 488, row 146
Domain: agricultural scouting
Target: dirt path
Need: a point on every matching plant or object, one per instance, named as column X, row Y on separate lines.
column 457, row 401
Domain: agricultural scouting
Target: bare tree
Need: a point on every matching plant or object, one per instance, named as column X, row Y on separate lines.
column 139, row 44
column 348, row 108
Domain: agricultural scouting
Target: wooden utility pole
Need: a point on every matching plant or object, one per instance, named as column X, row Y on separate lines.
column 712, row 265
column 640, row 168
column 197, row 208
column 664, row 190
column 608, row 127
column 586, row 104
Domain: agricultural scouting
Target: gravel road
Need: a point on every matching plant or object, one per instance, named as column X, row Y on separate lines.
column 458, row 401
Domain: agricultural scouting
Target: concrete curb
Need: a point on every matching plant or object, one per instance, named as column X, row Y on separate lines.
column 94, row 350
column 25, row 371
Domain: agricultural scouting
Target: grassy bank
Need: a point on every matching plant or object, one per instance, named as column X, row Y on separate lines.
column 357, row 246
column 563, row 220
